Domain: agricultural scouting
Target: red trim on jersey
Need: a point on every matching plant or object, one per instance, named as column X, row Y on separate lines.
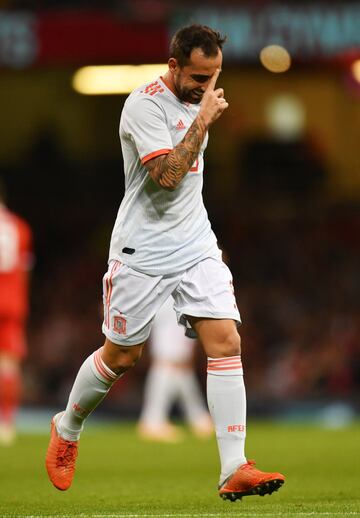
column 108, row 287
column 15, row 254
column 154, row 154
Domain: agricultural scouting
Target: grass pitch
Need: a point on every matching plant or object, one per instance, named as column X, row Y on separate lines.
column 120, row 476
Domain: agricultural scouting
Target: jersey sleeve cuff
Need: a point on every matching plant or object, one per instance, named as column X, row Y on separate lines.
column 154, row 154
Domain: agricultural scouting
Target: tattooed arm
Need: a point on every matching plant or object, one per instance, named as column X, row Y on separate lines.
column 168, row 170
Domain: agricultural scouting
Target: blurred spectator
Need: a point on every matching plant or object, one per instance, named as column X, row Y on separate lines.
column 295, row 266
column 15, row 262
column 285, row 161
column 297, row 278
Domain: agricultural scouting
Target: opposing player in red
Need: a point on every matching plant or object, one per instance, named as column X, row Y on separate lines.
column 15, row 262
column 162, row 244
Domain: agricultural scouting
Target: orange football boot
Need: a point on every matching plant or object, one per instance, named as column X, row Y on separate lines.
column 247, row 480
column 60, row 459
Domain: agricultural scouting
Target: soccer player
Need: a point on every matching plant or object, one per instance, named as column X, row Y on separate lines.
column 162, row 244
column 15, row 263
column 171, row 378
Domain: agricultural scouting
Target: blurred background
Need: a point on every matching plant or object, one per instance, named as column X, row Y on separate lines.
column 282, row 188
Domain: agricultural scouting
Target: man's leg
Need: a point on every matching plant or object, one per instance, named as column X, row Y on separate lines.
column 160, row 393
column 225, row 389
column 95, row 378
column 12, row 351
column 227, row 405
column 10, row 389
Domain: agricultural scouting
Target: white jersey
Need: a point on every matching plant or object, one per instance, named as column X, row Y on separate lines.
column 159, row 232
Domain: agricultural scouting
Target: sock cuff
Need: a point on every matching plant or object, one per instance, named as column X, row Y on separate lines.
column 229, row 366
column 102, row 371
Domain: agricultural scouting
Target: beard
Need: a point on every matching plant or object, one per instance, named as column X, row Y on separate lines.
column 188, row 95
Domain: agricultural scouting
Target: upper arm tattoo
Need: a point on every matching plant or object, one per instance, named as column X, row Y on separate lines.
column 168, row 170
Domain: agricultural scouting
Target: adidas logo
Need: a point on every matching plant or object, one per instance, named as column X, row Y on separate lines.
column 180, row 125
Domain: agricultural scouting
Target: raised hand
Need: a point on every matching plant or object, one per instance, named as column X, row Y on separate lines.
column 213, row 102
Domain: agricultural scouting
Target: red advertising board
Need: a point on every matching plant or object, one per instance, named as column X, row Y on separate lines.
column 28, row 39
column 316, row 32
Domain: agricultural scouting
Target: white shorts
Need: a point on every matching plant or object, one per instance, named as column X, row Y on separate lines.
column 132, row 299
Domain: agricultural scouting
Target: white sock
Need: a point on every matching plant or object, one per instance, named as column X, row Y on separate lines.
column 160, row 392
column 91, row 385
column 227, row 404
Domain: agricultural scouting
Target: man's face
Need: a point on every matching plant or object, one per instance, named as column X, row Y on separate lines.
column 191, row 80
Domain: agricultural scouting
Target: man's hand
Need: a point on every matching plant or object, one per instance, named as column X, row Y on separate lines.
column 168, row 170
column 213, row 102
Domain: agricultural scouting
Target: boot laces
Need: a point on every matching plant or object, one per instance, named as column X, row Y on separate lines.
column 66, row 454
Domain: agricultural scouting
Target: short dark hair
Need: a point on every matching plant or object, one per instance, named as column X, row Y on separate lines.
column 195, row 36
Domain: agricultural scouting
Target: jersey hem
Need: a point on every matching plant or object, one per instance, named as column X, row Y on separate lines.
column 211, row 253
column 126, row 342
column 207, row 314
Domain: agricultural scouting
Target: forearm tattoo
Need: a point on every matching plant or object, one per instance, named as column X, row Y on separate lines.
column 168, row 170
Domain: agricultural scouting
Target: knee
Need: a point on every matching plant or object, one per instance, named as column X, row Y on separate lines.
column 126, row 360
column 229, row 344
column 121, row 358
